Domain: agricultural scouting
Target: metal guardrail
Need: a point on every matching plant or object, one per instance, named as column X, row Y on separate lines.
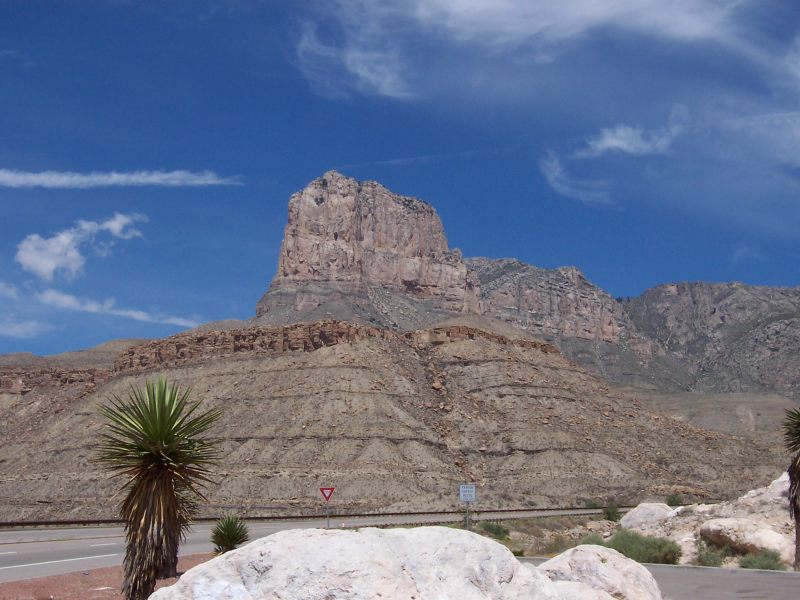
column 477, row 514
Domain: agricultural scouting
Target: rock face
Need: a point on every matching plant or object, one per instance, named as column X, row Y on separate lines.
column 425, row 563
column 394, row 419
column 351, row 242
column 732, row 337
column 758, row 520
column 603, row 569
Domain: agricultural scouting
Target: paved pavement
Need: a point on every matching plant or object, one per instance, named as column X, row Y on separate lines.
column 705, row 583
column 39, row 552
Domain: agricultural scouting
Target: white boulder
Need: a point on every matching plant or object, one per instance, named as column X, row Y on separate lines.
column 747, row 535
column 575, row 590
column 603, row 569
column 423, row 563
column 646, row 513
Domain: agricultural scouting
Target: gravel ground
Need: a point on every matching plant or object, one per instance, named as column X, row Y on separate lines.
column 83, row 585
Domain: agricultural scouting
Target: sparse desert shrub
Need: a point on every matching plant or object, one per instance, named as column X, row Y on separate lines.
column 591, row 504
column 229, row 533
column 518, row 552
column 766, row 559
column 611, row 512
column 644, row 549
column 675, row 500
column 494, row 529
column 594, row 539
column 709, row 555
column 558, row 544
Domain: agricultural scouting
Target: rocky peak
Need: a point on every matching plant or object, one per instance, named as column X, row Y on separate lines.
column 342, row 231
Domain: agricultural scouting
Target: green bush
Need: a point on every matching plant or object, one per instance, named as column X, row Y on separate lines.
column 229, row 533
column 766, row 559
column 518, row 552
column 591, row 504
column 675, row 500
column 495, row 530
column 611, row 512
column 645, row 549
column 594, row 539
column 709, row 555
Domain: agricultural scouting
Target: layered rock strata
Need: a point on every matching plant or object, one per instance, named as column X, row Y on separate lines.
column 395, row 420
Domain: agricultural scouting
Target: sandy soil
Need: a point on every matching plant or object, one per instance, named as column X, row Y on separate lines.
column 83, row 585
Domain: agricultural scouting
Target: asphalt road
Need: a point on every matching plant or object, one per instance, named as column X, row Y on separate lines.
column 706, row 583
column 31, row 553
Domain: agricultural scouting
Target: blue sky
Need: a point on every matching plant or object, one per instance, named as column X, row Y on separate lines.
column 148, row 149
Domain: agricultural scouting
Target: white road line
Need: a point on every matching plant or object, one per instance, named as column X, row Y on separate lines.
column 108, row 544
column 50, row 562
column 4, row 553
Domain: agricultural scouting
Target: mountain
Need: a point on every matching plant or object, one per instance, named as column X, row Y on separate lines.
column 395, row 420
column 385, row 363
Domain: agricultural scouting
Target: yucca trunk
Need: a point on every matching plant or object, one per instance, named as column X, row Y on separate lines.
column 153, row 513
column 794, row 505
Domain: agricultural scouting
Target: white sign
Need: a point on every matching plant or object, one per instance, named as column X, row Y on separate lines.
column 466, row 492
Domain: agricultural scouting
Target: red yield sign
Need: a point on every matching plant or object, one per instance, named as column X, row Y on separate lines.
column 327, row 492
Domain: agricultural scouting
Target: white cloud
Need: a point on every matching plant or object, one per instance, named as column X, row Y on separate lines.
column 66, row 301
column 377, row 40
column 8, row 291
column 635, row 140
column 590, row 192
column 67, row 179
column 22, row 329
column 61, row 252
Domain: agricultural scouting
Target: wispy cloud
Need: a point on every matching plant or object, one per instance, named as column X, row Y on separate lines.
column 591, row 192
column 66, row 301
column 635, row 140
column 8, row 290
column 359, row 65
column 61, row 253
column 95, row 179
column 22, row 329
column 426, row 159
column 374, row 47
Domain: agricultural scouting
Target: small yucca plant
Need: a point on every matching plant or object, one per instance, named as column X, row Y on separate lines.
column 229, row 533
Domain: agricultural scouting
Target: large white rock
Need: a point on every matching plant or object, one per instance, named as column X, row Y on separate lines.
column 603, row 569
column 645, row 513
column 424, row 563
column 747, row 535
column 575, row 590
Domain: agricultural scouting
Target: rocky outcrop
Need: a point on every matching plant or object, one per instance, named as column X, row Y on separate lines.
column 347, row 242
column 644, row 513
column 300, row 337
column 747, row 535
column 603, row 569
column 758, row 520
column 423, row 563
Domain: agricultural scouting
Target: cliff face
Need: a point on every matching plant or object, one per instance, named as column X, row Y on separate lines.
column 348, row 242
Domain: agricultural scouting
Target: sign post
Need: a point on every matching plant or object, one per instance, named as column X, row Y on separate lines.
column 327, row 493
column 467, row 495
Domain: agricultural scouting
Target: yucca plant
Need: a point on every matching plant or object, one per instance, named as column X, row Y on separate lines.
column 229, row 533
column 791, row 437
column 157, row 440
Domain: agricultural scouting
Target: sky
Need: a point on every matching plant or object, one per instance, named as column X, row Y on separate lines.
column 148, row 149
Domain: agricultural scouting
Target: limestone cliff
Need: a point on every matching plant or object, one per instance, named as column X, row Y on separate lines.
column 356, row 250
